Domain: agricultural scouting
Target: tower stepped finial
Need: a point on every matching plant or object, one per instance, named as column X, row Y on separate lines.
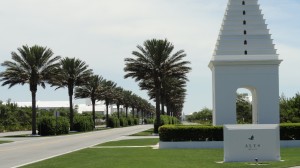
column 244, row 33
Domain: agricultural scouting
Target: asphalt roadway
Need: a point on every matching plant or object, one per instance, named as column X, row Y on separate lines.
column 32, row 149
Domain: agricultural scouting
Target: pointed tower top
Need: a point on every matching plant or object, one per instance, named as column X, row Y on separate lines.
column 244, row 34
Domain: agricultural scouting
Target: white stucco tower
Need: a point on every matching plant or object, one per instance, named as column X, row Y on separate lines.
column 245, row 57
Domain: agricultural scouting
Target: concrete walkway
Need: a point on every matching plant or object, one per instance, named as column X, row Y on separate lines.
column 33, row 149
column 2, row 134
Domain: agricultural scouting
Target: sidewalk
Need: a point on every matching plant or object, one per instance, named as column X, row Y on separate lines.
column 3, row 134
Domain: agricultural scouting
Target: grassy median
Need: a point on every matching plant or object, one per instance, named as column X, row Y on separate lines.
column 146, row 157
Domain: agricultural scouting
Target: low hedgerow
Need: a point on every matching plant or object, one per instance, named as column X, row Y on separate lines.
column 83, row 123
column 290, row 131
column 190, row 133
column 48, row 125
column 215, row 133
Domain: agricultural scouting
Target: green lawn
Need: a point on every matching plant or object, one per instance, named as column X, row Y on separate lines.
column 148, row 132
column 158, row 158
column 1, row 142
column 132, row 142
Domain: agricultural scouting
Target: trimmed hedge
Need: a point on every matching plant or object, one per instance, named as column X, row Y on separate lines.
column 290, row 131
column 215, row 133
column 47, row 126
column 190, row 133
column 83, row 123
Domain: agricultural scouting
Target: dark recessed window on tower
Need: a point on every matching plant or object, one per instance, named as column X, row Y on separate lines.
column 245, row 52
column 244, row 12
column 243, row 3
column 245, row 32
column 244, row 22
column 245, row 42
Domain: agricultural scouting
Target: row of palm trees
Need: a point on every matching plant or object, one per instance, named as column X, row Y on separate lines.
column 162, row 73
column 36, row 65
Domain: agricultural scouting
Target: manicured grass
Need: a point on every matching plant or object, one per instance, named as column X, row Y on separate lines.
column 148, row 132
column 132, row 142
column 1, row 142
column 160, row 158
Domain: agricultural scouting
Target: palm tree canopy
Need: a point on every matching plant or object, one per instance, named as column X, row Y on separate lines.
column 154, row 60
column 107, row 92
column 74, row 72
column 91, row 88
column 33, row 65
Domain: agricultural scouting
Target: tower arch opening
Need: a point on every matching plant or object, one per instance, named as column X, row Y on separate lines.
column 246, row 106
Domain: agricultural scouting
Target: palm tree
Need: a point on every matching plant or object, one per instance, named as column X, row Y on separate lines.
column 90, row 89
column 107, row 94
column 153, row 63
column 133, row 103
column 127, row 99
column 33, row 65
column 73, row 72
column 119, row 98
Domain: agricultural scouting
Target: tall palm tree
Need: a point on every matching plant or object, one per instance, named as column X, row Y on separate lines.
column 73, row 72
column 119, row 98
column 154, row 62
column 107, row 94
column 133, row 103
column 91, row 89
column 33, row 65
column 127, row 99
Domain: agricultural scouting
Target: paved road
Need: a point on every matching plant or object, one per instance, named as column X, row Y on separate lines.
column 34, row 149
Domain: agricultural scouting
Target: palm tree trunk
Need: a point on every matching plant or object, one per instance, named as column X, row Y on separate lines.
column 157, row 110
column 71, row 113
column 94, row 113
column 33, row 117
column 118, row 109
column 133, row 112
column 126, row 111
column 168, row 110
column 106, row 103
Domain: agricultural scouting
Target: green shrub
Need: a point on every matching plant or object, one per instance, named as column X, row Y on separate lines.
column 215, row 133
column 47, row 126
column 148, row 121
column 2, row 129
column 113, row 122
column 130, row 121
column 83, row 123
column 123, row 122
column 63, row 126
column 136, row 121
column 167, row 120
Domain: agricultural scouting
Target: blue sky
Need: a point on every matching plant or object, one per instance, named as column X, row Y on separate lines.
column 102, row 33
